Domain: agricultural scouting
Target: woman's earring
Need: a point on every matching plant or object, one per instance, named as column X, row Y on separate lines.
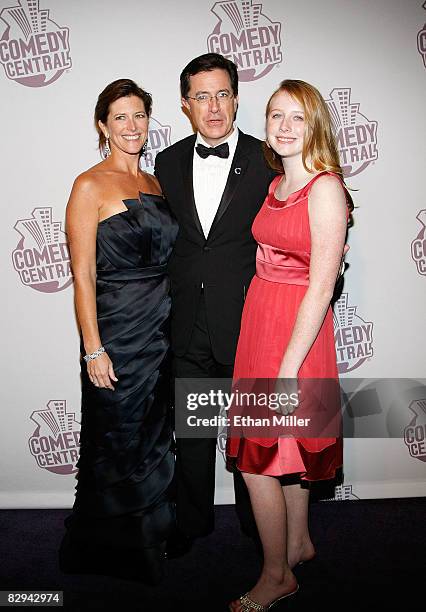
column 144, row 148
column 107, row 150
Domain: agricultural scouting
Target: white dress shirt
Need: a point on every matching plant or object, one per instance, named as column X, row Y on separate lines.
column 209, row 180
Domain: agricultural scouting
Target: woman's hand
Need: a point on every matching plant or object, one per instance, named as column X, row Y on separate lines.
column 101, row 372
column 289, row 395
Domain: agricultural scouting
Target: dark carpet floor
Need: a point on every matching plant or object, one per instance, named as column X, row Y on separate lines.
column 370, row 555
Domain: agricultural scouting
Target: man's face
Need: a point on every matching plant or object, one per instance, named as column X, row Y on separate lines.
column 214, row 118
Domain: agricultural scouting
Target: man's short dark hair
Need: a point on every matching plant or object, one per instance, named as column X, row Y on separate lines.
column 204, row 63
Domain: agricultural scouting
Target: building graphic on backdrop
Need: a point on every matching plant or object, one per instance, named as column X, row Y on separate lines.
column 415, row 432
column 355, row 134
column 343, row 493
column 421, row 41
column 159, row 137
column 42, row 258
column 245, row 35
column 34, row 50
column 352, row 335
column 418, row 246
column 55, row 442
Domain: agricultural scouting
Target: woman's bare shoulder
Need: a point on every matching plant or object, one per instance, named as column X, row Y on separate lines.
column 91, row 180
column 327, row 183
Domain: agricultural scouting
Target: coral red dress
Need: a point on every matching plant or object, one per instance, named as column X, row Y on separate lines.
column 282, row 232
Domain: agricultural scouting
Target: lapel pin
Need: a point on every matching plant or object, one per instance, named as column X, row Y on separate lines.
column 237, row 170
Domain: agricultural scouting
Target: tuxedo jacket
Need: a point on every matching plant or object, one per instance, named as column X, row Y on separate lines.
column 224, row 261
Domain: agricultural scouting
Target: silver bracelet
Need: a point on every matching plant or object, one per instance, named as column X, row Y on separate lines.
column 88, row 358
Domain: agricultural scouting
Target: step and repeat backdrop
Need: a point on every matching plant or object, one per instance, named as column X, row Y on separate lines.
column 369, row 61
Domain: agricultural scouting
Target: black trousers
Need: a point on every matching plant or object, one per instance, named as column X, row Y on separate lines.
column 196, row 458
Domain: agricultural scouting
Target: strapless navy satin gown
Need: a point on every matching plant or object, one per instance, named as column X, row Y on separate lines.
column 122, row 513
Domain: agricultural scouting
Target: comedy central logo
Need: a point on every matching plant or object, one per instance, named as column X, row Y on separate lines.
column 415, row 432
column 356, row 135
column 34, row 50
column 159, row 138
column 55, row 442
column 352, row 335
column 42, row 258
column 421, row 41
column 418, row 246
column 247, row 37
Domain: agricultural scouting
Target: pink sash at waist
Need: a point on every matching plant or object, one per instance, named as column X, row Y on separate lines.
column 278, row 266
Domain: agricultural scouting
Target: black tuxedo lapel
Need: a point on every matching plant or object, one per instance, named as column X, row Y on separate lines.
column 236, row 173
column 187, row 170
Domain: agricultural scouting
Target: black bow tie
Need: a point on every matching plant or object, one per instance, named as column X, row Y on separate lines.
column 221, row 150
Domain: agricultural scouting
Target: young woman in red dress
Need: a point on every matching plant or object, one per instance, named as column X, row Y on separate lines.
column 287, row 326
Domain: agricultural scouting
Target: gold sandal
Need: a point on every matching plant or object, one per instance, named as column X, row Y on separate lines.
column 247, row 604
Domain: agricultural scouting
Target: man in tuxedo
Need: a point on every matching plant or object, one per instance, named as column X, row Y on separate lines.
column 215, row 182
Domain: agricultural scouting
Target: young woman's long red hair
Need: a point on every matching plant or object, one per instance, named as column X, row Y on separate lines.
column 320, row 150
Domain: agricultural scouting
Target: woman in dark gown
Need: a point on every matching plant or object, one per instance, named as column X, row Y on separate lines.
column 121, row 234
